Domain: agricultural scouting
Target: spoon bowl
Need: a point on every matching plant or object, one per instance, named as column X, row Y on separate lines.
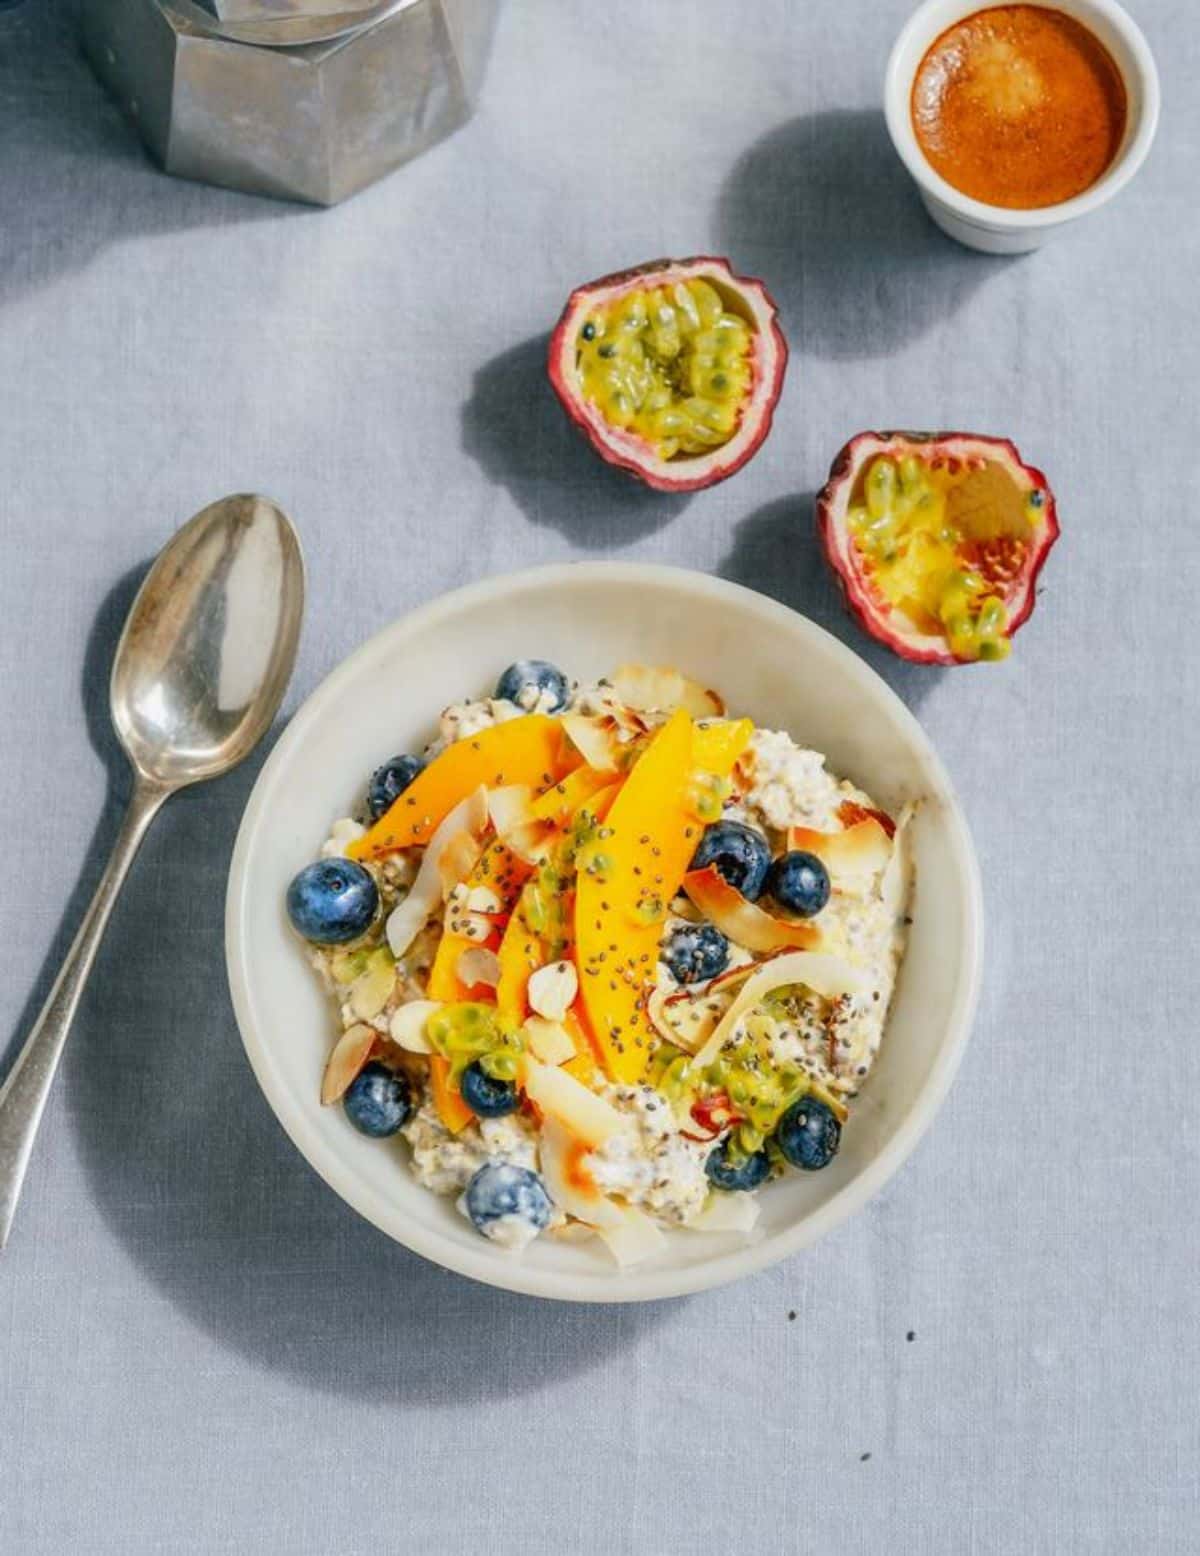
column 208, row 646
column 200, row 670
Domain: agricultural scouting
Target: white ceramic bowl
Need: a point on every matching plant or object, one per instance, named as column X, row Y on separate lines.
column 589, row 617
column 995, row 229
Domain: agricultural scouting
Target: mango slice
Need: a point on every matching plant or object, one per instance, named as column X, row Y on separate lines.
column 521, row 954
column 561, row 800
column 716, row 747
column 447, row 1099
column 531, row 750
column 627, row 881
column 624, row 889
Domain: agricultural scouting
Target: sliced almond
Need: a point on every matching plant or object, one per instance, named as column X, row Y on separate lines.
column 477, row 965
column 407, row 1026
column 350, row 1053
column 552, row 990
column 371, row 992
column 549, row 1041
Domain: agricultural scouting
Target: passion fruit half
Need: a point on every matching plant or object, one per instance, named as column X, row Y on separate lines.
column 671, row 370
column 937, row 540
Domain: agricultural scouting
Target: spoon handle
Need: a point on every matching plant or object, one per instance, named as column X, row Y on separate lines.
column 24, row 1094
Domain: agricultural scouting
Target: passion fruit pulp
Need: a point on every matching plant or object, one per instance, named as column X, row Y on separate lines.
column 671, row 370
column 937, row 540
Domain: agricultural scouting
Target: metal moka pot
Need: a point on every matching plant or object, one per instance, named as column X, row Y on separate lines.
column 300, row 99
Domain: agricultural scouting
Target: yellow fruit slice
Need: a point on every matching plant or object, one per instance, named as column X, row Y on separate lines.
column 717, row 747
column 626, row 885
column 447, row 1099
column 561, row 800
column 531, row 750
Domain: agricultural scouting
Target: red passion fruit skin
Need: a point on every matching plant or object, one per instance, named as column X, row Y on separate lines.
column 864, row 602
column 625, row 449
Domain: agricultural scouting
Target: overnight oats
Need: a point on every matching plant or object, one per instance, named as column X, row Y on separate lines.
column 605, row 958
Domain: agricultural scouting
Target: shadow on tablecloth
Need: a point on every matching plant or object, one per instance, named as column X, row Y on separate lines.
column 516, row 430
column 775, row 551
column 197, row 1181
column 824, row 211
column 74, row 178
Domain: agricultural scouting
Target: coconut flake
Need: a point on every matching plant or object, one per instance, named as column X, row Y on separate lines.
column 828, row 976
column 595, row 739
column 854, row 858
column 583, row 1114
column 570, row 1184
column 457, row 860
column 517, row 825
column 727, row 1213
column 409, row 917
column 633, row 1239
column 650, row 689
column 350, row 1053
column 897, row 877
column 681, row 1019
column 407, row 1026
column 510, row 807
column 742, row 920
column 552, row 989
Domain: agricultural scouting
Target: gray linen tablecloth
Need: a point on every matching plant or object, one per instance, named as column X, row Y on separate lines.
column 201, row 1348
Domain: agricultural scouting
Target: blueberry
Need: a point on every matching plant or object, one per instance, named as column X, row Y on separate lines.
column 809, row 1134
column 696, row 952
column 529, row 679
column 332, row 901
column 377, row 1101
column 501, row 1189
column 738, row 852
column 748, row 1173
column 390, row 781
column 799, row 882
column 485, row 1096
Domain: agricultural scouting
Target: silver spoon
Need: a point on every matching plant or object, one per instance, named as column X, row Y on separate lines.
column 203, row 662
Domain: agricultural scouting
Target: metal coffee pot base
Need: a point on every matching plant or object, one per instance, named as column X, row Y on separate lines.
column 312, row 120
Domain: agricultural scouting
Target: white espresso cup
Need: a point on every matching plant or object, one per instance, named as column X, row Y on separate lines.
column 999, row 229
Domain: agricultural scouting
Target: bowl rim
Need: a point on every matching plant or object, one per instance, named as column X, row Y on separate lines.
column 487, row 1264
column 932, row 18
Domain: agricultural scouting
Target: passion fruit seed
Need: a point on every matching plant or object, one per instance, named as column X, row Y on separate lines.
column 919, row 560
column 669, row 363
column 759, row 1089
column 706, row 796
column 468, row 1032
